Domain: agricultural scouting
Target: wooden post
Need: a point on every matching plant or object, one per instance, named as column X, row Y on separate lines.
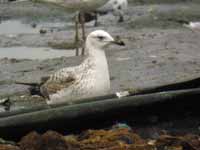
column 76, row 35
column 82, row 20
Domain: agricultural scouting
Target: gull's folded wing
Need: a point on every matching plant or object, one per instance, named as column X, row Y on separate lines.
column 58, row 81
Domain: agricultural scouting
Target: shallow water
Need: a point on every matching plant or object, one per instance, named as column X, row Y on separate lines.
column 18, row 27
column 34, row 53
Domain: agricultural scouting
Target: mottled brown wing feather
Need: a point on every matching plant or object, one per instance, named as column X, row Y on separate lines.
column 44, row 93
column 51, row 87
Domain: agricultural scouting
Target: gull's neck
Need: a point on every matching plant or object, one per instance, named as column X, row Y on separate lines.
column 96, row 56
column 96, row 62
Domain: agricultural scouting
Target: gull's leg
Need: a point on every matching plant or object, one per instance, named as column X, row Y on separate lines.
column 76, row 35
column 96, row 19
column 82, row 20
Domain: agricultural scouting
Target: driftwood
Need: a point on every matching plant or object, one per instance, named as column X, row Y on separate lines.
column 93, row 108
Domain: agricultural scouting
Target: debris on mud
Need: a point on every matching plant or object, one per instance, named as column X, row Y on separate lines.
column 5, row 60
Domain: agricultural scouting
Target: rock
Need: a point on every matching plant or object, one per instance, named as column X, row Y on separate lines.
column 43, row 31
column 33, row 25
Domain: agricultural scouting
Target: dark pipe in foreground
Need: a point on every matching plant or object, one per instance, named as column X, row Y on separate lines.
column 79, row 115
column 188, row 84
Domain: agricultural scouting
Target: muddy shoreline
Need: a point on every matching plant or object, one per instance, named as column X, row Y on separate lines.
column 159, row 50
column 161, row 53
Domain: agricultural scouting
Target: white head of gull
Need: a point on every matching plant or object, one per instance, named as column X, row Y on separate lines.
column 91, row 78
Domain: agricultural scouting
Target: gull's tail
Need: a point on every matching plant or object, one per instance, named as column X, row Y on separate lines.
column 36, row 88
column 29, row 84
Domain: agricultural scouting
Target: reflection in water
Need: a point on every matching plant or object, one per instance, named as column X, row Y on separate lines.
column 34, row 53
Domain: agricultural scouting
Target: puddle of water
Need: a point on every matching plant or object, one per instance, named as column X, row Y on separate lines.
column 18, row 27
column 34, row 53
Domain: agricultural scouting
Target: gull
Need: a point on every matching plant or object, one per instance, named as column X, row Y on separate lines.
column 89, row 79
column 80, row 6
column 116, row 7
column 195, row 26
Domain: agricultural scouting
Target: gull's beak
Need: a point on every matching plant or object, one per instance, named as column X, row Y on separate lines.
column 118, row 41
column 121, row 43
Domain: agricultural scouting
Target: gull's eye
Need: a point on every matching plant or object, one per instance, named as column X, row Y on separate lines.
column 101, row 38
